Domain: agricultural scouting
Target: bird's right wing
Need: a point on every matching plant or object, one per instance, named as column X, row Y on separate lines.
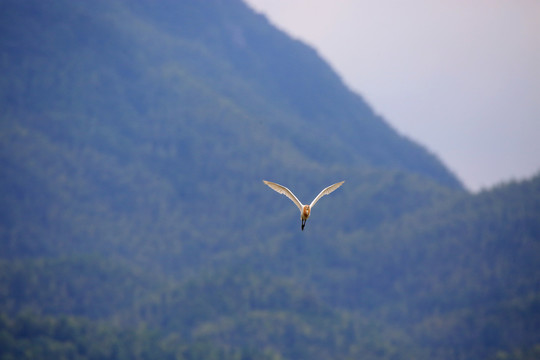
column 326, row 191
column 283, row 190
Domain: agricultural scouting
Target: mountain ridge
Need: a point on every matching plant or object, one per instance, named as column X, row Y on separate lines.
column 313, row 102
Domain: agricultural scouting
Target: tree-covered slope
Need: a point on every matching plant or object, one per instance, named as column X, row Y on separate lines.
column 131, row 63
column 134, row 136
column 451, row 281
column 129, row 121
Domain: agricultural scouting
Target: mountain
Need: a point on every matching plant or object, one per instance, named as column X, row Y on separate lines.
column 136, row 121
column 140, row 63
column 134, row 136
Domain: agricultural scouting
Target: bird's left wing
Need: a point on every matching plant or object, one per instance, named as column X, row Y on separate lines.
column 326, row 191
column 283, row 190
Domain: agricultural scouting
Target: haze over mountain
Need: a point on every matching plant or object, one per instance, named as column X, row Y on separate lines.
column 134, row 138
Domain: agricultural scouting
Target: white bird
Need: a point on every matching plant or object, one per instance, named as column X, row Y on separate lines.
column 305, row 210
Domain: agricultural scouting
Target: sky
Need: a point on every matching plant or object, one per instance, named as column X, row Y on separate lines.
column 460, row 77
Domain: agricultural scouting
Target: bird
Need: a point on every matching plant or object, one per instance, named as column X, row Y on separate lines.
column 305, row 210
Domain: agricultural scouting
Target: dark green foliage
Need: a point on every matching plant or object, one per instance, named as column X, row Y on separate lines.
column 134, row 136
column 34, row 337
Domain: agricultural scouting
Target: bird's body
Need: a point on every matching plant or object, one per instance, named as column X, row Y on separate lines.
column 305, row 210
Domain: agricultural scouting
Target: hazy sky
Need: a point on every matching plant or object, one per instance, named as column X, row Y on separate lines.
column 460, row 77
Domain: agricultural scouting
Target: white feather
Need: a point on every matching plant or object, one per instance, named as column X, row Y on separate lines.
column 283, row 190
column 326, row 191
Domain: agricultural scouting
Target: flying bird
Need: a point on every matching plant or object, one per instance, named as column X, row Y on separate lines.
column 305, row 210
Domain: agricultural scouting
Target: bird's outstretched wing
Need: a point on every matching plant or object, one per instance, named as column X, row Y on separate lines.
column 326, row 191
column 283, row 190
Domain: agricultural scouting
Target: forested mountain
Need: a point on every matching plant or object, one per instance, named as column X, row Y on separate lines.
column 134, row 136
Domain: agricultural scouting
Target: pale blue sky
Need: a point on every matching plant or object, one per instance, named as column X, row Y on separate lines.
column 460, row 77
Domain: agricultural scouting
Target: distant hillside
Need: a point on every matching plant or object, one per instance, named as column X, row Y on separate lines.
column 130, row 120
column 137, row 63
column 134, row 136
